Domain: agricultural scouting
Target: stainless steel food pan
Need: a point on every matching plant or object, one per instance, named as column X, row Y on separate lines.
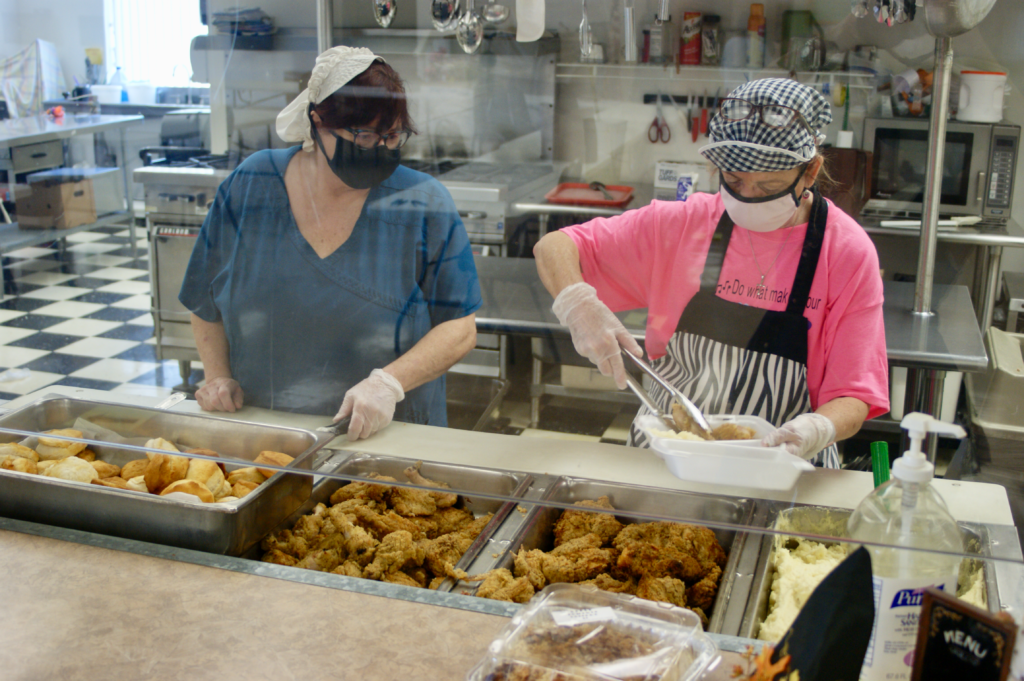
column 536, row 531
column 148, row 517
column 481, row 480
column 831, row 522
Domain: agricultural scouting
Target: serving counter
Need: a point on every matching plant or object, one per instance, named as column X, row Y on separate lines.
column 84, row 605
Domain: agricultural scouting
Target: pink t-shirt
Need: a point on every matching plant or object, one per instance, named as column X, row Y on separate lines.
column 653, row 257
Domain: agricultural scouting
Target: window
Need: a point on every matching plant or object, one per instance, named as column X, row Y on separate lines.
column 149, row 39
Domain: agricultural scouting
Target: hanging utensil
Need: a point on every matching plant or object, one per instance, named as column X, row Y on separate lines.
column 859, row 8
column 698, row 424
column 495, row 13
column 384, row 11
column 900, row 12
column 586, row 37
column 444, row 14
column 469, row 32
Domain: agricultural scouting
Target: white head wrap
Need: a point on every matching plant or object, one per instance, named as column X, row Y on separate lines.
column 333, row 69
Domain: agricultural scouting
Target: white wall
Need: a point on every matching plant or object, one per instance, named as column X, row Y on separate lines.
column 9, row 36
column 71, row 25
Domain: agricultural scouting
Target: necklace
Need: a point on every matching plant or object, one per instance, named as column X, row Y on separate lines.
column 760, row 289
column 312, row 202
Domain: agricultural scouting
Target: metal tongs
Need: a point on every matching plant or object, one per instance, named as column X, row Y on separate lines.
column 699, row 424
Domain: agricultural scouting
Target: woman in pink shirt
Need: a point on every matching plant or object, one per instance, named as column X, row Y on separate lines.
column 764, row 299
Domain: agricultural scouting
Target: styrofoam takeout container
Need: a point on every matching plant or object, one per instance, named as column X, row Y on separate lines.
column 737, row 463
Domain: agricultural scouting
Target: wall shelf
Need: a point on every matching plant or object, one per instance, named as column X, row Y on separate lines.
column 709, row 75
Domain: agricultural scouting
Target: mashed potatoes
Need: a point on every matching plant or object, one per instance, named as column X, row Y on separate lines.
column 798, row 571
column 677, row 436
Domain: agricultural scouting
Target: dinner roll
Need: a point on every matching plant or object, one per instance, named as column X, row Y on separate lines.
column 273, row 458
column 134, row 468
column 104, row 469
column 193, row 487
column 163, row 469
column 206, row 472
column 160, row 443
column 42, row 466
column 87, row 455
column 222, row 491
column 206, row 452
column 138, row 484
column 249, row 474
column 116, row 481
column 243, row 488
column 14, row 449
column 74, row 469
column 18, row 463
column 53, row 448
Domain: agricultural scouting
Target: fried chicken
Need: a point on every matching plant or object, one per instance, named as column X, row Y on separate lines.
column 606, row 582
column 451, row 519
column 400, row 578
column 287, row 543
column 500, row 585
column 358, row 544
column 447, row 549
column 426, row 525
column 395, row 551
column 666, row 589
column 577, row 567
column 382, row 524
column 530, row 564
column 279, row 557
column 320, row 560
column 574, row 524
column 412, row 502
column 441, row 499
column 702, row 594
column 349, row 569
column 363, row 490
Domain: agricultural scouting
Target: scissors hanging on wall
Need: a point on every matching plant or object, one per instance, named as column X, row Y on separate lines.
column 659, row 130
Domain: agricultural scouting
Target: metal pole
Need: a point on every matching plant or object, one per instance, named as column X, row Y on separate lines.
column 324, row 25
column 933, row 181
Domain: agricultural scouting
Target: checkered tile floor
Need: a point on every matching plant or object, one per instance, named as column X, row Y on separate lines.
column 81, row 318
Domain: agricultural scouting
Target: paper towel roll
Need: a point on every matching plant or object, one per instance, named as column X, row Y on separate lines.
column 529, row 20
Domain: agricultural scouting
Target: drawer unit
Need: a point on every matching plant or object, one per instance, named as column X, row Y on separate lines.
column 37, row 156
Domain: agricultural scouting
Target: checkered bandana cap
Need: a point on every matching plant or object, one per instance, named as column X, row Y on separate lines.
column 751, row 146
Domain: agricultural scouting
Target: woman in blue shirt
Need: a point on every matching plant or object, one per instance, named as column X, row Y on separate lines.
column 328, row 279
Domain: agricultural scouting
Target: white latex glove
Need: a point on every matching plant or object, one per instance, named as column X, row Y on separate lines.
column 804, row 436
column 220, row 394
column 597, row 334
column 371, row 404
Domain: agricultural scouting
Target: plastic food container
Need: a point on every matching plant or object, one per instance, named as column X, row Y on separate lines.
column 579, row 633
column 737, row 463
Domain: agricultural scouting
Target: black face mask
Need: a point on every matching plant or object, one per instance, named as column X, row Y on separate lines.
column 357, row 167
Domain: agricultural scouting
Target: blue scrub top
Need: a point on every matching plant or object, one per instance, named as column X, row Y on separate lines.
column 303, row 330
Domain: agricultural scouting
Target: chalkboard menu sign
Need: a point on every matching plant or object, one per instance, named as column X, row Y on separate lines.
column 958, row 641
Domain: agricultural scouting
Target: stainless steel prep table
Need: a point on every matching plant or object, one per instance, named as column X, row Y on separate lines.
column 515, row 302
column 17, row 133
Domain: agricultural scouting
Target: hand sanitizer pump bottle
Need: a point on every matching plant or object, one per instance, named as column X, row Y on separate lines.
column 906, row 512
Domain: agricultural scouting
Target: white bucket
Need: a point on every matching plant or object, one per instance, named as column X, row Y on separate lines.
column 981, row 96
column 141, row 93
column 107, row 94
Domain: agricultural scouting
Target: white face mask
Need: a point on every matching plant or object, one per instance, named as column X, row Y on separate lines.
column 763, row 214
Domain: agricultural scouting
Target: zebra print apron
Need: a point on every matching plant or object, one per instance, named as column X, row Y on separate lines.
column 736, row 359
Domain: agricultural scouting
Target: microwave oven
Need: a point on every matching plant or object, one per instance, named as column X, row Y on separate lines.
column 979, row 164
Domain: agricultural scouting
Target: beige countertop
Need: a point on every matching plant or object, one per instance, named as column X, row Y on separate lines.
column 77, row 612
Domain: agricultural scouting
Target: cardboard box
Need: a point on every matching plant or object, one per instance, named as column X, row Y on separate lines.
column 58, row 202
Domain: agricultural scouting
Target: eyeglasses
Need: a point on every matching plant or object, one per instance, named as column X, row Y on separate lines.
column 772, row 115
column 368, row 139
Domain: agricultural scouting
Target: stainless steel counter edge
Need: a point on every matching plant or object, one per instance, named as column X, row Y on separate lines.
column 310, row 577
column 15, row 133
